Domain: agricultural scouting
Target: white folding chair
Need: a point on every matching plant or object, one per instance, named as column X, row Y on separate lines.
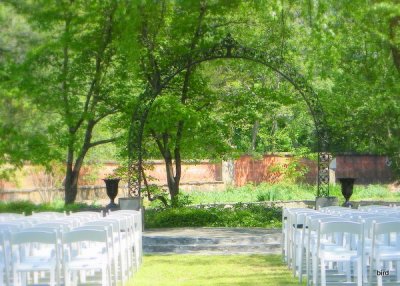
column 113, row 227
column 25, row 257
column 345, row 245
column 385, row 248
column 87, row 250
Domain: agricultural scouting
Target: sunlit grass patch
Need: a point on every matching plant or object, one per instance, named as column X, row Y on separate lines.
column 213, row 270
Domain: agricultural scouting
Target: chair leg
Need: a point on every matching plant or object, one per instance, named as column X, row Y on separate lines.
column 301, row 264
column 323, row 273
column 347, row 269
column 398, row 270
column 315, row 270
column 52, row 278
column 24, row 278
column 359, row 273
column 379, row 267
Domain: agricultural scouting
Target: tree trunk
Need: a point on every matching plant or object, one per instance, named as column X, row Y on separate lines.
column 71, row 187
column 254, row 134
column 173, row 187
column 394, row 24
column 68, row 183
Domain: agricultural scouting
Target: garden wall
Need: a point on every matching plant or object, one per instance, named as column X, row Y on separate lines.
column 367, row 169
column 203, row 175
column 266, row 169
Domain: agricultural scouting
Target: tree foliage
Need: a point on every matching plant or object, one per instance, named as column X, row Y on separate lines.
column 76, row 74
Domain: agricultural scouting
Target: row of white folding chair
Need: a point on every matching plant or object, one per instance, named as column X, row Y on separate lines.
column 374, row 207
column 48, row 215
column 14, row 228
column 308, row 238
column 134, row 220
column 120, row 245
column 298, row 236
column 300, row 244
column 29, row 222
column 287, row 232
column 74, row 262
column 4, row 217
column 292, row 232
column 311, row 241
column 366, row 221
column 79, row 218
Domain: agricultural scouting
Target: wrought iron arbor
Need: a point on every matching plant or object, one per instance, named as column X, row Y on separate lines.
column 229, row 48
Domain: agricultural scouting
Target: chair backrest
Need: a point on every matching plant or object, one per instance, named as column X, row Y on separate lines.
column 10, row 216
column 345, row 233
column 90, row 214
column 49, row 214
column 10, row 227
column 327, row 227
column 58, row 225
column 45, row 236
column 386, row 227
column 86, row 234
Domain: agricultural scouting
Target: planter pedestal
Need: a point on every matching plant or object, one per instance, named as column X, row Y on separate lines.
column 321, row 202
column 133, row 203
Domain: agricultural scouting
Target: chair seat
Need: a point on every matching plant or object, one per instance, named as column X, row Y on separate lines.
column 35, row 265
column 338, row 254
column 94, row 261
column 388, row 253
column 86, row 264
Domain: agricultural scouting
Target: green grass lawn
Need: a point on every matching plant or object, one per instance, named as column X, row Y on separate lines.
column 193, row 270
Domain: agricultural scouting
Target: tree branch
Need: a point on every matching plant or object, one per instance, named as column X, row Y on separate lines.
column 159, row 144
column 100, row 142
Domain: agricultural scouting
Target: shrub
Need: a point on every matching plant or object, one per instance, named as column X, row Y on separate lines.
column 238, row 215
column 28, row 207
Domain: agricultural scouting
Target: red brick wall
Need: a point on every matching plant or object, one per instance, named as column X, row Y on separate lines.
column 367, row 169
column 200, row 172
column 261, row 170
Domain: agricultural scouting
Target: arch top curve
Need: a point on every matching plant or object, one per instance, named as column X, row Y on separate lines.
column 229, row 48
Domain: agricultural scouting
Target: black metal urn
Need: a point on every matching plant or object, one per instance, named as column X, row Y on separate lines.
column 347, row 189
column 112, row 191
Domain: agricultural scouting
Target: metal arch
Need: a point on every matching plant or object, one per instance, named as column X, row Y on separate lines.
column 230, row 48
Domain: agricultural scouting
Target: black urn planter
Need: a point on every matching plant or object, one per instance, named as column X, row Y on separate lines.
column 112, row 191
column 347, row 189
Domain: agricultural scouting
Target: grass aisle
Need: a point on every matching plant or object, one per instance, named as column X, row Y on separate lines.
column 193, row 270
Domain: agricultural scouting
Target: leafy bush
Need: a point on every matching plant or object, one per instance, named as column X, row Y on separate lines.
column 28, row 207
column 181, row 200
column 238, row 215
